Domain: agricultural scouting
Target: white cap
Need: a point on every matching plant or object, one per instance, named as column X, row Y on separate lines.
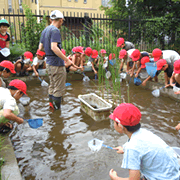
column 56, row 14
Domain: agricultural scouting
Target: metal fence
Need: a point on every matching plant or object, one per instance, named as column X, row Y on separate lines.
column 94, row 30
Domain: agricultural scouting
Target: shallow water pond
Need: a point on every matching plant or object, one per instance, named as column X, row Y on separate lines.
column 59, row 149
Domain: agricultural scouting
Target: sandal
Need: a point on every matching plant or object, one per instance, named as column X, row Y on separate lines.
column 6, row 128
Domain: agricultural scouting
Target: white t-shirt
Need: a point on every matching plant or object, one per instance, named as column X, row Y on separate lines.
column 170, row 56
column 148, row 153
column 36, row 61
column 129, row 52
column 6, row 100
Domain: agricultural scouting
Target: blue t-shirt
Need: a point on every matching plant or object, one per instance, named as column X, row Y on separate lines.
column 51, row 34
column 148, row 153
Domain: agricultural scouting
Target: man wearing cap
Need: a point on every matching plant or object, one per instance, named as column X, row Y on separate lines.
column 8, row 107
column 6, row 68
column 125, row 45
column 50, row 41
column 145, row 153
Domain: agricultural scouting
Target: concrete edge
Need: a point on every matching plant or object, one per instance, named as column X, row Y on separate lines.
column 10, row 169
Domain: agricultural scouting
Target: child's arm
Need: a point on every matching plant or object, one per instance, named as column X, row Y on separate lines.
column 137, row 72
column 121, row 66
column 7, row 44
column 0, row 82
column 132, row 70
column 34, row 69
column 19, row 60
column 95, row 72
column 147, row 79
column 166, row 79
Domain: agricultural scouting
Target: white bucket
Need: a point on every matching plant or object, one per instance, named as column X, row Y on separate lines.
column 5, row 52
column 42, row 72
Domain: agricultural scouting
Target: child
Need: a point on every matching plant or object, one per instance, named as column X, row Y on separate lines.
column 126, row 59
column 6, row 68
column 22, row 65
column 9, row 109
column 142, row 68
column 93, row 59
column 72, row 67
column 169, row 55
column 125, row 45
column 136, row 57
column 105, row 59
column 4, row 37
column 176, row 78
column 39, row 62
column 144, row 153
column 112, row 59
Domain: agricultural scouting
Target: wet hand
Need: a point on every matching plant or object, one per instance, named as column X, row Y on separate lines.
column 136, row 75
column 119, row 149
column 177, row 127
column 37, row 74
column 112, row 174
column 143, row 83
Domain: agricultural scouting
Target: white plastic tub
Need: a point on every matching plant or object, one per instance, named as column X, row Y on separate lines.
column 95, row 106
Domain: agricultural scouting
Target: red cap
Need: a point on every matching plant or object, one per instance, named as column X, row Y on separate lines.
column 144, row 60
column 122, row 53
column 94, row 53
column 88, row 51
column 79, row 49
column 28, row 55
column 19, row 85
column 63, row 51
column 112, row 56
column 120, row 41
column 40, row 53
column 156, row 54
column 126, row 114
column 160, row 63
column 103, row 51
column 177, row 67
column 135, row 55
column 9, row 65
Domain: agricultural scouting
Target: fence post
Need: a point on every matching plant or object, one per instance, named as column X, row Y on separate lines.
column 86, row 30
column 129, row 29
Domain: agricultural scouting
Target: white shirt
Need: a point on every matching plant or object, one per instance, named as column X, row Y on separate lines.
column 129, row 52
column 36, row 61
column 148, row 153
column 6, row 99
column 170, row 56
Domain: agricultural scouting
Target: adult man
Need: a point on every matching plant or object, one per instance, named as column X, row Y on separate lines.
column 51, row 42
column 8, row 106
column 144, row 153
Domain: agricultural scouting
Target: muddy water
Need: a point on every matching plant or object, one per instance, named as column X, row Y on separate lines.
column 59, row 150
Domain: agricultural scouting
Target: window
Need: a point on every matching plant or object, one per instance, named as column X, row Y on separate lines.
column 69, row 0
column 32, row 1
column 9, row 5
column 106, row 3
column 36, row 1
column 76, row 0
column 20, row 6
column 85, row 1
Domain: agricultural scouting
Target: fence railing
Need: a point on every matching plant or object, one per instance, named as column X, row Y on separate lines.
column 95, row 30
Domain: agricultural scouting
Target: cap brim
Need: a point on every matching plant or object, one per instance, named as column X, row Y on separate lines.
column 143, row 66
column 159, row 68
column 121, row 57
column 156, row 59
column 112, row 117
column 31, row 59
column 94, row 56
column 13, row 71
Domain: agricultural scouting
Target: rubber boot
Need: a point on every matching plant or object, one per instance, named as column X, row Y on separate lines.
column 56, row 102
column 51, row 107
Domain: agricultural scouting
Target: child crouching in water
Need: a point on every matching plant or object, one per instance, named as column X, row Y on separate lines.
column 39, row 62
column 6, row 68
